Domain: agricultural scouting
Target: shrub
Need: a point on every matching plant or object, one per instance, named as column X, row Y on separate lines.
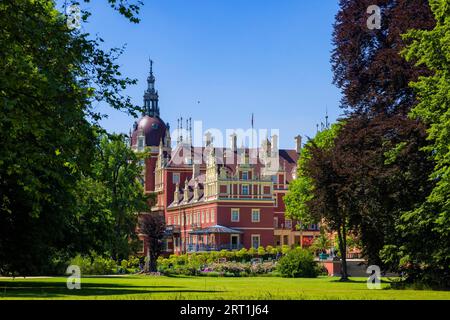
column 321, row 270
column 263, row 268
column 95, row 265
column 235, row 268
column 285, row 249
column 84, row 263
column 134, row 262
column 237, row 263
column 213, row 274
column 261, row 252
column 102, row 266
column 242, row 254
column 252, row 252
column 271, row 250
column 298, row 263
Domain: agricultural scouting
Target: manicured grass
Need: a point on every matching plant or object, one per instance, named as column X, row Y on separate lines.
column 145, row 287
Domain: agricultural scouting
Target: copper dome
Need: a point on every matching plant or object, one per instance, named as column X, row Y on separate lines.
column 153, row 128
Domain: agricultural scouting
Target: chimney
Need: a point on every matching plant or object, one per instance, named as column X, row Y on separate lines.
column 233, row 140
column 177, row 193
column 208, row 139
column 274, row 144
column 298, row 143
column 195, row 170
column 186, row 191
column 168, row 138
column 196, row 190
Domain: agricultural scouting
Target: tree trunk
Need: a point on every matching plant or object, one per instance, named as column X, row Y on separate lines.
column 147, row 260
column 153, row 266
column 343, row 249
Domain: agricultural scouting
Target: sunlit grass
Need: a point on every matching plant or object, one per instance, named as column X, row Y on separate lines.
column 181, row 288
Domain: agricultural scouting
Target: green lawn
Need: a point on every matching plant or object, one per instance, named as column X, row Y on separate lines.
column 142, row 287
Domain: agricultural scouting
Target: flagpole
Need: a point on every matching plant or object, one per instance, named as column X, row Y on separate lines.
column 252, row 129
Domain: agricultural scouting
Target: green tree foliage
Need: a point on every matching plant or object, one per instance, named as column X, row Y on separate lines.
column 379, row 147
column 49, row 78
column 301, row 188
column 324, row 198
column 422, row 250
column 298, row 263
column 384, row 174
column 322, row 242
column 109, row 200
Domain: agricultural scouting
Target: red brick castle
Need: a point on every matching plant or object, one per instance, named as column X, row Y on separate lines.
column 216, row 198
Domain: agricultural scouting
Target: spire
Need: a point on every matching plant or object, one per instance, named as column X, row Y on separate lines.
column 151, row 97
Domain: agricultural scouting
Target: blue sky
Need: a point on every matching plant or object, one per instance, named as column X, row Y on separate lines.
column 237, row 57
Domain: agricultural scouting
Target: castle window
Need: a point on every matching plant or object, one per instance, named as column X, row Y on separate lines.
column 176, row 178
column 213, row 215
column 288, row 224
column 256, row 241
column 256, row 215
column 234, row 215
column 141, row 143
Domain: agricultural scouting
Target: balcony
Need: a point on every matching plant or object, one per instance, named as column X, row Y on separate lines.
column 196, row 225
column 171, row 229
column 212, row 247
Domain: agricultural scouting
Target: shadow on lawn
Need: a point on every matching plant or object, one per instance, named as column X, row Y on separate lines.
column 27, row 289
column 338, row 280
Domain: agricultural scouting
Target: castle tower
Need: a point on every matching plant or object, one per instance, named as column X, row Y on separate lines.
column 150, row 132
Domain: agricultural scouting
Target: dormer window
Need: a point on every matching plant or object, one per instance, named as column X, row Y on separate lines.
column 141, row 143
column 245, row 175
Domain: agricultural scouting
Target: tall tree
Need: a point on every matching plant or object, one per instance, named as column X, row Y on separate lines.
column 49, row 77
column 367, row 64
column 422, row 249
column 329, row 203
column 319, row 193
column 153, row 226
column 109, row 200
column 386, row 173
column 118, row 167
column 301, row 188
column 374, row 81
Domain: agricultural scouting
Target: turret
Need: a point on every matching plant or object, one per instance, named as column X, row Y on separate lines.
column 151, row 97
